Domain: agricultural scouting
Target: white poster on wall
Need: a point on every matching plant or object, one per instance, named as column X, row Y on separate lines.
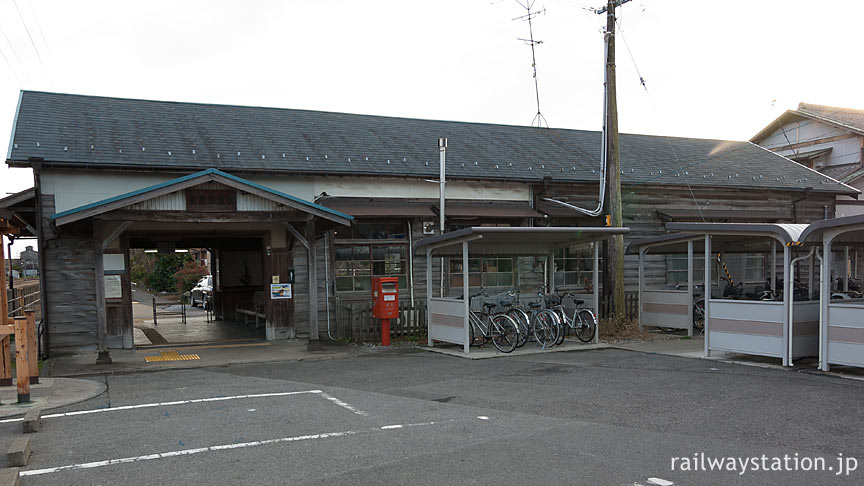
column 113, row 287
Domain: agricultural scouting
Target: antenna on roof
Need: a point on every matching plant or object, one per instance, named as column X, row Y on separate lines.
column 539, row 119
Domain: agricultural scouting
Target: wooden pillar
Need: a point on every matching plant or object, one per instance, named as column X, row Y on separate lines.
column 33, row 357
column 99, row 276
column 4, row 298
column 5, row 347
column 313, row 284
column 22, row 361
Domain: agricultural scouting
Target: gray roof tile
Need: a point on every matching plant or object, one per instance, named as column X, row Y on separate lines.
column 141, row 133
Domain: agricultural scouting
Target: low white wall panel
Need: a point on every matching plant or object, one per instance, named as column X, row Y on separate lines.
column 846, row 353
column 747, row 344
column 446, row 320
column 665, row 308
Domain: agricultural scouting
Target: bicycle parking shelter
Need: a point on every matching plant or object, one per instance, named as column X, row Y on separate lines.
column 841, row 327
column 447, row 317
column 783, row 329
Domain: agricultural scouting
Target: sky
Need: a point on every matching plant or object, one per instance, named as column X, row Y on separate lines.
column 719, row 70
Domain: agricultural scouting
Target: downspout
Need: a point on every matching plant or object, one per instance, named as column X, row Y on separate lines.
column 327, row 282
column 411, row 262
column 40, row 238
column 790, row 285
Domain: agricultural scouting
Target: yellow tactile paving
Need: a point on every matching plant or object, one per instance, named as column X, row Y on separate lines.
column 171, row 356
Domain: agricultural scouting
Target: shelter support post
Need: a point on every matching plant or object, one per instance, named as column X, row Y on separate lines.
column 773, row 273
column 101, row 316
column 429, row 294
column 824, row 300
column 846, row 268
column 810, row 282
column 787, row 303
column 641, row 282
column 690, row 287
column 311, row 259
column 707, row 323
column 466, row 297
column 595, row 284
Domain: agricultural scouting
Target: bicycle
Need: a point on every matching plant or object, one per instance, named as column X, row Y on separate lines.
column 499, row 328
column 583, row 323
column 542, row 323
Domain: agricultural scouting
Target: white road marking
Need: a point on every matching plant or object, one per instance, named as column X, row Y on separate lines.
column 482, row 417
column 660, row 482
column 345, row 405
column 184, row 452
column 199, row 450
column 166, row 404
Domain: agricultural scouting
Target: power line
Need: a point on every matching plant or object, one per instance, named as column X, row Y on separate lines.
column 14, row 52
column 9, row 65
column 39, row 28
column 38, row 55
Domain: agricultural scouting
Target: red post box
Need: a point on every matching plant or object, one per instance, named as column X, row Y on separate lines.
column 385, row 303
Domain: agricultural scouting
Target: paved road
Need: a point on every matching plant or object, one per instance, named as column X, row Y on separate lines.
column 607, row 417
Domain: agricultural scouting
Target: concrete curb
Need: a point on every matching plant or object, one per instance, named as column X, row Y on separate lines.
column 9, row 477
column 524, row 351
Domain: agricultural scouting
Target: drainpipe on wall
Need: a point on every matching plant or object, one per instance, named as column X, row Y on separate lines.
column 40, row 238
column 327, row 282
column 411, row 262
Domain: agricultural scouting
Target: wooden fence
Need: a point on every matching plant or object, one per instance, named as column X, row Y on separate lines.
column 24, row 298
column 354, row 321
column 631, row 305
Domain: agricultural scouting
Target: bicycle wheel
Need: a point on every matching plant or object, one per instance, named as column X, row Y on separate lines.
column 699, row 316
column 544, row 328
column 522, row 321
column 555, row 324
column 505, row 334
column 587, row 325
column 562, row 328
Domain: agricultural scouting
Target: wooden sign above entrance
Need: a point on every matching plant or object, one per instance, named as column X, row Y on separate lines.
column 211, row 200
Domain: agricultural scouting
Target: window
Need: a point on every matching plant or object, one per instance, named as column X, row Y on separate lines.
column 574, row 267
column 676, row 269
column 484, row 271
column 357, row 264
column 754, row 268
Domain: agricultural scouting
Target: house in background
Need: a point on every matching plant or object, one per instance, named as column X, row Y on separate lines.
column 824, row 138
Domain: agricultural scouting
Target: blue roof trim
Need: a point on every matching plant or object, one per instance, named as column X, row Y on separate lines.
column 195, row 176
column 282, row 194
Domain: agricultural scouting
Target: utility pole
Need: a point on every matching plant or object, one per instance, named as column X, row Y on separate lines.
column 615, row 248
column 442, row 148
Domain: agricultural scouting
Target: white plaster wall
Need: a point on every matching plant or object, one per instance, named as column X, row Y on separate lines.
column 407, row 188
column 76, row 188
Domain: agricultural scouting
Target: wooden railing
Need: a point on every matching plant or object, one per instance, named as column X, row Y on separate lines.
column 354, row 322
column 23, row 298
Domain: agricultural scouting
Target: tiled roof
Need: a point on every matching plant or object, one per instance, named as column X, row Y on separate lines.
column 75, row 130
column 848, row 117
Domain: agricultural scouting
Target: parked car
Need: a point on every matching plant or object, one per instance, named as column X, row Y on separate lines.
column 202, row 291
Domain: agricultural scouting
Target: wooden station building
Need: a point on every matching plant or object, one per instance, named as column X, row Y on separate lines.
column 334, row 199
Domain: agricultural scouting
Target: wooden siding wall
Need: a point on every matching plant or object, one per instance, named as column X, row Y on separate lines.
column 640, row 207
column 69, row 285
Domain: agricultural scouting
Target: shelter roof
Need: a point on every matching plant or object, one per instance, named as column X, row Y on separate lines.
column 785, row 233
column 516, row 240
